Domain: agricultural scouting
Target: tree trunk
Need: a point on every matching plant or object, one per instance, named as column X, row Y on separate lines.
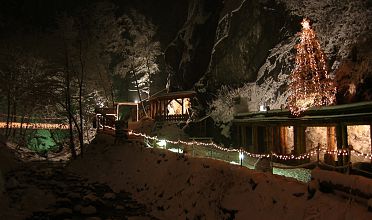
column 148, row 82
column 14, row 114
column 112, row 94
column 21, row 136
column 68, row 102
column 68, row 109
column 7, row 129
column 139, row 93
column 81, row 82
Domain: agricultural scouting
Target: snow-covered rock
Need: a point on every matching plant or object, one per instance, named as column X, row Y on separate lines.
column 355, row 185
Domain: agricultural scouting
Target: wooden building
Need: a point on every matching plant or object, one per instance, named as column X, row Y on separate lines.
column 172, row 106
column 280, row 132
column 106, row 117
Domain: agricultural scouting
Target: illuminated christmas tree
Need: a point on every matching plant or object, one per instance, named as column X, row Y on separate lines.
column 310, row 83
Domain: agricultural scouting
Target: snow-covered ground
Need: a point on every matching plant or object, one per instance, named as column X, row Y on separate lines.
column 175, row 186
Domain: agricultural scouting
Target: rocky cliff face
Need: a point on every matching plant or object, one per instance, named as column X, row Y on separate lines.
column 261, row 49
column 187, row 57
column 253, row 52
column 244, row 40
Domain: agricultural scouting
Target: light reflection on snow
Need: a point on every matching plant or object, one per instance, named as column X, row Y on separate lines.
column 176, row 150
column 301, row 174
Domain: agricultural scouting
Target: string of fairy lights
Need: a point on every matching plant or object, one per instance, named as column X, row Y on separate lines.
column 33, row 125
column 311, row 153
column 310, row 82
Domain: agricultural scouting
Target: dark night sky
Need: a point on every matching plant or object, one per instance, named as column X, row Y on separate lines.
column 39, row 15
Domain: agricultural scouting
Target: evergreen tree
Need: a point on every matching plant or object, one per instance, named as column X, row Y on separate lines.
column 310, row 84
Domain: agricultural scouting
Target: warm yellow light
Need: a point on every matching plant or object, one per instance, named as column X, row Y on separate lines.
column 310, row 83
column 34, row 125
column 175, row 108
column 305, row 24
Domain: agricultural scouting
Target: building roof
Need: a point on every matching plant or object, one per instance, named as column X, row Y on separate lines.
column 105, row 111
column 355, row 113
column 173, row 95
column 125, row 103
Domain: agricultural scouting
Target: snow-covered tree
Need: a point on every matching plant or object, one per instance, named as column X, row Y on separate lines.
column 139, row 54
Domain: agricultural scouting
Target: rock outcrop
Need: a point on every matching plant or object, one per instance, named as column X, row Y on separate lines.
column 187, row 57
column 254, row 52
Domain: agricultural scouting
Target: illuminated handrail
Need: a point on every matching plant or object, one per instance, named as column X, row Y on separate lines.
column 310, row 153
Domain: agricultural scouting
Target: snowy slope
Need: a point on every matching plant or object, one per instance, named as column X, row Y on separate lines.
column 179, row 187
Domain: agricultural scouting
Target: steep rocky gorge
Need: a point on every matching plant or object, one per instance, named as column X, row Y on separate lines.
column 252, row 53
column 188, row 55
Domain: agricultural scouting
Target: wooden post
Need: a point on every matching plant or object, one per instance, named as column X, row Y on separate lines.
column 238, row 135
column 97, row 123
column 342, row 142
column 341, row 132
column 370, row 137
column 299, row 139
column 151, row 111
column 156, row 108
column 165, row 108
column 276, row 140
column 268, row 137
column 117, row 111
column 317, row 154
column 331, row 145
column 137, row 112
column 283, row 139
column 254, row 139
column 158, row 111
column 261, row 139
column 182, row 113
column 244, row 137
column 345, row 144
